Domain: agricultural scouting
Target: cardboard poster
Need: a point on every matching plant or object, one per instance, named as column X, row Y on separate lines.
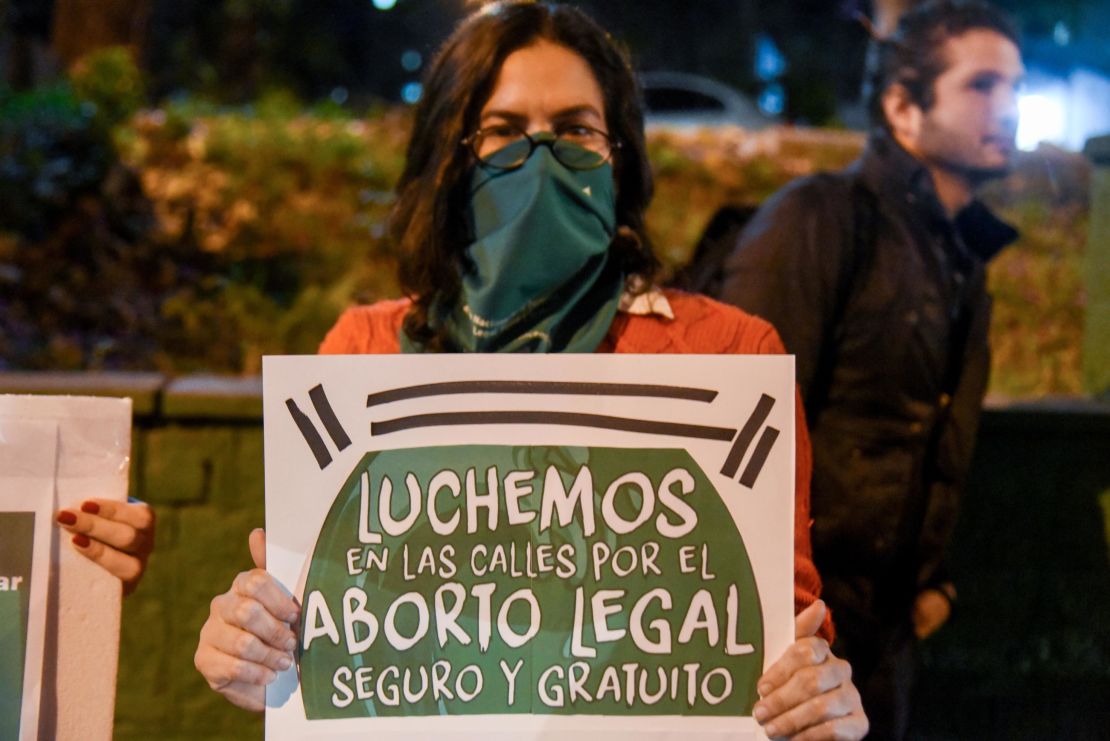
column 27, row 461
column 529, row 546
column 56, row 452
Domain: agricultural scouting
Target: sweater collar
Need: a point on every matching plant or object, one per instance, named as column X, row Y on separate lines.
column 886, row 169
column 650, row 302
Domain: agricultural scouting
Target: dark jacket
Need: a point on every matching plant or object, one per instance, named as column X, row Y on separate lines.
column 882, row 298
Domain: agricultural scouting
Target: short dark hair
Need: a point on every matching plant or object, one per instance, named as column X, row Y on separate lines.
column 428, row 223
column 913, row 55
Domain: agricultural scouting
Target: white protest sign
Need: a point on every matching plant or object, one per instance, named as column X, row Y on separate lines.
column 56, row 452
column 529, row 546
column 27, row 463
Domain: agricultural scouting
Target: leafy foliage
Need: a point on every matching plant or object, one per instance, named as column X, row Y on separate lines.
column 198, row 238
column 289, row 213
column 1039, row 296
column 110, row 82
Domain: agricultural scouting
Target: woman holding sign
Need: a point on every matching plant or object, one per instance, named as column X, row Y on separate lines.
column 520, row 218
column 119, row 536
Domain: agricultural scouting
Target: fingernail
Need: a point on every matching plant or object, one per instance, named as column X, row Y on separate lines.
column 66, row 518
column 764, row 689
column 81, row 540
column 285, row 662
column 291, row 644
column 91, row 507
column 760, row 713
column 292, row 617
column 771, row 730
column 269, row 676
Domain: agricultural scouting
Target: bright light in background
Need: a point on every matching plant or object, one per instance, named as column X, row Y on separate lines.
column 412, row 92
column 773, row 99
column 1061, row 34
column 384, row 4
column 1042, row 120
column 769, row 61
column 411, row 60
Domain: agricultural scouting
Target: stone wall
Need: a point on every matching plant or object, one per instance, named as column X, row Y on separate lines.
column 1027, row 654
column 1096, row 335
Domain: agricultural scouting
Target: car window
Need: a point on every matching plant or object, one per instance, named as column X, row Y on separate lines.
column 665, row 99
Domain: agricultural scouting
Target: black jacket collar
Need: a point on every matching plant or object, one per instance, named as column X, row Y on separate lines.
column 892, row 173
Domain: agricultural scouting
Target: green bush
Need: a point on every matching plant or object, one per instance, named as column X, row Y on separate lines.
column 223, row 235
column 72, row 267
column 290, row 211
column 52, row 151
column 110, row 82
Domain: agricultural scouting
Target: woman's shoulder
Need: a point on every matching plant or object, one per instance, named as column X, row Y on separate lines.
column 367, row 329
column 702, row 325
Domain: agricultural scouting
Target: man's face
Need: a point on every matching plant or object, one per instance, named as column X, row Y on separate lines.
column 970, row 128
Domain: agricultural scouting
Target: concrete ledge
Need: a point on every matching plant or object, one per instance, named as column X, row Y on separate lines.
column 143, row 388
column 213, row 397
column 1055, row 414
column 222, row 399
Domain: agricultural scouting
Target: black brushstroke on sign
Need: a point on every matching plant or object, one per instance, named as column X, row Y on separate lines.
column 541, row 387
column 551, row 418
column 744, row 440
column 311, row 436
column 327, row 416
column 759, row 457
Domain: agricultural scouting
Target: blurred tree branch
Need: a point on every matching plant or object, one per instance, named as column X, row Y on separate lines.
column 82, row 26
column 887, row 12
column 27, row 22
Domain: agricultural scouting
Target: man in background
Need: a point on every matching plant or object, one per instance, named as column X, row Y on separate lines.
column 875, row 278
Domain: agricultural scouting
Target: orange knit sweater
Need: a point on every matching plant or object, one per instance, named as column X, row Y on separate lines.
column 701, row 325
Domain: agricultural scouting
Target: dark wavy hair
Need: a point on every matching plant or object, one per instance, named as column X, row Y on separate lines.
column 913, row 56
column 428, row 223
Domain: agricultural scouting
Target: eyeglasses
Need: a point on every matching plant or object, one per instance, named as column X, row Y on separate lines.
column 506, row 147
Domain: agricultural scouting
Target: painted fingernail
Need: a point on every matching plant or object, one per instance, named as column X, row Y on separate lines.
column 91, row 507
column 291, row 644
column 66, row 518
column 760, row 713
column 285, row 662
column 81, row 540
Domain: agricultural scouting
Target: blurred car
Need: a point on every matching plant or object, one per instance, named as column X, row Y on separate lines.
column 682, row 100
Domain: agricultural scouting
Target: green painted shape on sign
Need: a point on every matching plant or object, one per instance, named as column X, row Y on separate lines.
column 556, row 564
column 17, row 537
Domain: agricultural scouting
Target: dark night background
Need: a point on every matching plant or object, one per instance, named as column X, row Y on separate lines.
column 188, row 185
column 231, row 51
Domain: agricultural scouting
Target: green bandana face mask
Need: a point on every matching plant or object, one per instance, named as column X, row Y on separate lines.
column 542, row 279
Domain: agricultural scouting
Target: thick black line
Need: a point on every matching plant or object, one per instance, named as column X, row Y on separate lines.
column 747, row 434
column 311, row 436
column 541, row 387
column 601, row 421
column 759, row 457
column 327, row 416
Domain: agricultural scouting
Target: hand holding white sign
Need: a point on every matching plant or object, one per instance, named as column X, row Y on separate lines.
column 80, row 449
column 808, row 694
column 118, row 536
column 244, row 644
column 247, row 637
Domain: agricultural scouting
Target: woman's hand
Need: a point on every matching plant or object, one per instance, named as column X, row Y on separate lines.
column 931, row 610
column 808, row 695
column 247, row 638
column 117, row 535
